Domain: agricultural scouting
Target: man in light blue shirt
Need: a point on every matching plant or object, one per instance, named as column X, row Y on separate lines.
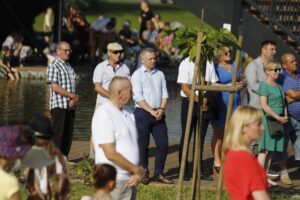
column 150, row 95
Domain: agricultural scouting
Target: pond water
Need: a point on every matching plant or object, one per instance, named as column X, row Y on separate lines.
column 21, row 101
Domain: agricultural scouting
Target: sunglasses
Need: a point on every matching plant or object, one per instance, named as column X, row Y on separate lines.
column 66, row 50
column 116, row 52
column 276, row 70
column 227, row 53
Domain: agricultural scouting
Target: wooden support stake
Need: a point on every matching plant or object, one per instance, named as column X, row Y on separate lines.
column 221, row 88
column 228, row 114
column 197, row 154
column 189, row 118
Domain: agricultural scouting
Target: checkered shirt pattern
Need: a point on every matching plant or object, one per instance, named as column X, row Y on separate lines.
column 61, row 73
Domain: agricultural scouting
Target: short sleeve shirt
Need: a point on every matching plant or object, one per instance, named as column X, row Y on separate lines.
column 186, row 73
column 274, row 95
column 243, row 175
column 104, row 73
column 113, row 126
column 291, row 83
column 61, row 73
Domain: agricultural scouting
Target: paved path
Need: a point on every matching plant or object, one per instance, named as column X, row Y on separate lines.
column 81, row 148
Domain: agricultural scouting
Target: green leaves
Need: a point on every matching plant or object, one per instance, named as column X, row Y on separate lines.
column 186, row 41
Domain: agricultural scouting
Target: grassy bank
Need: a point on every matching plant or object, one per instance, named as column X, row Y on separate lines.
column 155, row 192
column 123, row 11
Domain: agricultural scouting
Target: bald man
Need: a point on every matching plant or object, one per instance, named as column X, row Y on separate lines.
column 115, row 138
column 291, row 87
column 63, row 98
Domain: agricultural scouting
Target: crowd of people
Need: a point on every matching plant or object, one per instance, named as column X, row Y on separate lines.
column 120, row 137
column 89, row 40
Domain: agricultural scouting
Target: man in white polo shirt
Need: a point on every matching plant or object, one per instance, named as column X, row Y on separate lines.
column 185, row 78
column 115, row 139
column 106, row 70
column 103, row 74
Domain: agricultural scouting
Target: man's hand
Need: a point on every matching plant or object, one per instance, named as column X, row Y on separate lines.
column 205, row 104
column 154, row 113
column 160, row 114
column 134, row 180
column 137, row 177
column 72, row 103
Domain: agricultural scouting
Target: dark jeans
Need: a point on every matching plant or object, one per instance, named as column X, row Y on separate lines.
column 184, row 113
column 146, row 124
column 62, row 121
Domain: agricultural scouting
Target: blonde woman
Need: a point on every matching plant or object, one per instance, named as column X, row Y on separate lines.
column 224, row 68
column 272, row 101
column 244, row 177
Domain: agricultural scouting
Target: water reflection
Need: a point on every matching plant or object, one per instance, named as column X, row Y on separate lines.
column 20, row 101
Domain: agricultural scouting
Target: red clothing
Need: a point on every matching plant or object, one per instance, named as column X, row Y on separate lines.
column 243, row 175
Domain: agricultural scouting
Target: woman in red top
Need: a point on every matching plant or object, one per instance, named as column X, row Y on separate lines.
column 244, row 177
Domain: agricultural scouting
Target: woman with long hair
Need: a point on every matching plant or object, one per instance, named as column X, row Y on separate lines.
column 244, row 177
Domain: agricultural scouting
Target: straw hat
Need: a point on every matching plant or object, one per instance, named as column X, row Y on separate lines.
column 114, row 46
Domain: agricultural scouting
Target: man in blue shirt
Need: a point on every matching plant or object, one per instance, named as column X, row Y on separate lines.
column 150, row 95
column 291, row 87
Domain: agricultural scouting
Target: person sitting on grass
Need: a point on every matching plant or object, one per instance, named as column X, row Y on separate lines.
column 5, row 66
column 104, row 180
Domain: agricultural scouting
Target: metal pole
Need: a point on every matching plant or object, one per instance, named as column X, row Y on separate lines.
column 189, row 118
column 228, row 114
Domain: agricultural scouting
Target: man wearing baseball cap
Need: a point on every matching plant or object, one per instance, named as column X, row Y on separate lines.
column 105, row 71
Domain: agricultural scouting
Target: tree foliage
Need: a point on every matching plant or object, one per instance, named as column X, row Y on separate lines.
column 186, row 41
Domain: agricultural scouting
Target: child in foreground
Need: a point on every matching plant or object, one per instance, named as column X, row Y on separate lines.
column 104, row 180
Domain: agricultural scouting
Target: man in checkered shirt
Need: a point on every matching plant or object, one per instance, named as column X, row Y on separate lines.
column 63, row 99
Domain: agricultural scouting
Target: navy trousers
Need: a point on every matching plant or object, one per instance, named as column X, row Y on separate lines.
column 184, row 113
column 147, row 124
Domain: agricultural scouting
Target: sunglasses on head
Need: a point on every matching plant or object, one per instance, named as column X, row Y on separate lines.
column 276, row 69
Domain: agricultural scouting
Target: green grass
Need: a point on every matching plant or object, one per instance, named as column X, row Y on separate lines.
column 154, row 192
column 123, row 11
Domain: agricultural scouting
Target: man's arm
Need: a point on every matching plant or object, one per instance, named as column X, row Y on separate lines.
column 187, row 91
column 61, row 91
column 294, row 94
column 115, row 157
column 251, row 77
column 144, row 105
column 100, row 90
